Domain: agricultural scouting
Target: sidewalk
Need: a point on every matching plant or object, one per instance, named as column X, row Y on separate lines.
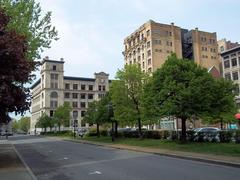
column 11, row 166
column 208, row 158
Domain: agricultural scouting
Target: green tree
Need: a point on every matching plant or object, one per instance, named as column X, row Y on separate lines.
column 62, row 115
column 97, row 112
column 27, row 20
column 15, row 125
column 223, row 104
column 180, row 88
column 43, row 121
column 126, row 94
column 24, row 33
column 24, row 124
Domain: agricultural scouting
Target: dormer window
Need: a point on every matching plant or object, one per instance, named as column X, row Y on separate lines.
column 54, row 68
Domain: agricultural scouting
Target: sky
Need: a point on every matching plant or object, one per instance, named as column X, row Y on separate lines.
column 91, row 32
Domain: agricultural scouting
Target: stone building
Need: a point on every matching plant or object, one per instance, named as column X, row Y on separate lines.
column 151, row 44
column 53, row 89
column 231, row 67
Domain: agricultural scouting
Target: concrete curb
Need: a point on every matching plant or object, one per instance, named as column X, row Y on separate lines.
column 186, row 157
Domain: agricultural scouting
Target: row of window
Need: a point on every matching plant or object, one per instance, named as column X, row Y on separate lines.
column 234, row 77
column 206, row 49
column 232, row 55
column 211, row 41
column 75, row 87
column 75, row 113
column 75, row 95
column 233, row 61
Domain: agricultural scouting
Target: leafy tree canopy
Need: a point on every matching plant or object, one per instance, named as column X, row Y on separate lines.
column 27, row 20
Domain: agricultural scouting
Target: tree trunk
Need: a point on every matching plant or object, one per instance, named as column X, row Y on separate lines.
column 59, row 126
column 45, row 129
column 139, row 128
column 116, row 129
column 221, row 123
column 183, row 138
column 98, row 133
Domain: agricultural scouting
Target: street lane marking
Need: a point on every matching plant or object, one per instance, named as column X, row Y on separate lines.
column 95, row 172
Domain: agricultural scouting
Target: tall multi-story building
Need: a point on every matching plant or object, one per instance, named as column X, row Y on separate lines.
column 231, row 67
column 150, row 45
column 53, row 89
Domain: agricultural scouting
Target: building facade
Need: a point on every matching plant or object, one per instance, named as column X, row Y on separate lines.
column 53, row 89
column 224, row 45
column 151, row 44
column 231, row 67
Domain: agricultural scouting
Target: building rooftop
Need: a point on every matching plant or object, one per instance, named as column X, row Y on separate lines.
column 230, row 50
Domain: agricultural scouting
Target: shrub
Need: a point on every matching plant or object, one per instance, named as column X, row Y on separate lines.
column 225, row 136
column 237, row 136
column 103, row 132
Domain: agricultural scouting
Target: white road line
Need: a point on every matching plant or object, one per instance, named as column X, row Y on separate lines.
column 27, row 167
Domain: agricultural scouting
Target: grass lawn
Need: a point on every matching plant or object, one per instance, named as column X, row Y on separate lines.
column 227, row 149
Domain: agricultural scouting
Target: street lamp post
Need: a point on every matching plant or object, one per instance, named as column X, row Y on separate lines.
column 110, row 115
column 75, row 114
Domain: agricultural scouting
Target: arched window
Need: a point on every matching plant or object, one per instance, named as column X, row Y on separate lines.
column 54, row 94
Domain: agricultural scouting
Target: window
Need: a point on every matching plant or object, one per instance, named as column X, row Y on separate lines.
column 142, row 55
column 236, row 90
column 51, row 113
column 225, row 57
column 54, row 68
column 149, row 69
column 83, row 104
column 75, row 86
column 53, row 104
column 149, row 53
column 233, row 55
column 104, row 88
column 149, row 62
column 148, row 32
column 148, row 44
column 75, row 114
column 83, row 96
column 142, row 47
column 227, row 76
column 54, row 94
column 83, row 87
column 234, row 62
column 54, row 76
column 90, row 87
column 139, row 58
column 83, row 113
column 67, row 86
column 138, row 50
column 74, row 95
column 54, row 85
column 226, row 64
column 75, row 104
column 235, row 75
column 90, row 96
column 42, row 95
column 221, row 48
column 143, row 65
column 157, row 41
column 99, row 87
column 100, row 96
column 66, row 95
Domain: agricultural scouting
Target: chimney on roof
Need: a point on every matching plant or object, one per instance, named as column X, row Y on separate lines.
column 46, row 58
column 196, row 28
column 61, row 59
column 172, row 24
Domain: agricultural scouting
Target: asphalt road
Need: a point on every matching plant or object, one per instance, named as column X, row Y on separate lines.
column 63, row 160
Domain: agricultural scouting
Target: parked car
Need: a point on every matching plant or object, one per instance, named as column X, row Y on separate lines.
column 210, row 134
column 82, row 131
